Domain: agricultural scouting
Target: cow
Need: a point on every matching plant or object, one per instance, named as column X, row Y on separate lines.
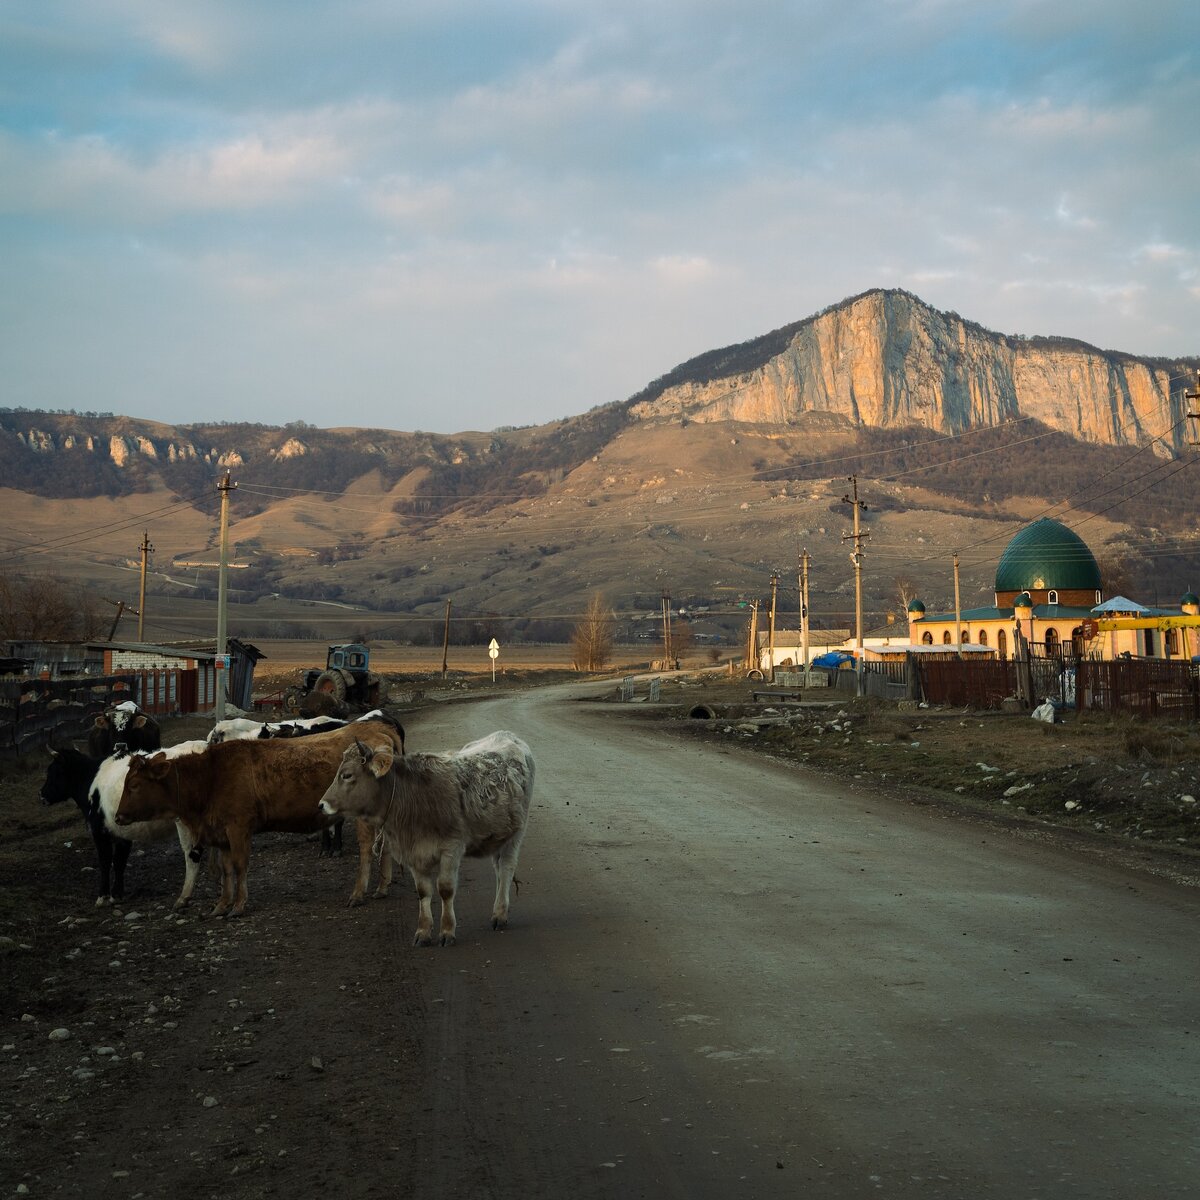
column 126, row 723
column 434, row 809
column 105, row 793
column 69, row 776
column 239, row 788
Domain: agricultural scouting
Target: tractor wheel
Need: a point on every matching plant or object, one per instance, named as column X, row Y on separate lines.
column 377, row 691
column 332, row 682
column 291, row 699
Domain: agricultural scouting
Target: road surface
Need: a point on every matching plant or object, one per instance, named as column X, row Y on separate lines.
column 728, row 977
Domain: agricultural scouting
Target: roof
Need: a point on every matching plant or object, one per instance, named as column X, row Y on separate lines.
column 1047, row 555
column 1120, row 604
column 1042, row 612
column 793, row 637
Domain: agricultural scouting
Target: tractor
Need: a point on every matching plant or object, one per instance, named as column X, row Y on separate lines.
column 346, row 681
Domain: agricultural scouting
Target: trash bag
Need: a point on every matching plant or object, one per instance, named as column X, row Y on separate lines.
column 1044, row 712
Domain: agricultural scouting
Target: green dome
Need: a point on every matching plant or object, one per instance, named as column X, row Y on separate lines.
column 1047, row 555
column 1189, row 598
column 915, row 606
column 1024, row 600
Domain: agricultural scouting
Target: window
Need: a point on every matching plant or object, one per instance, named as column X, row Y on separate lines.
column 1051, row 642
column 927, row 638
column 1002, row 643
column 983, row 637
column 1051, row 597
column 946, row 638
column 966, row 636
column 1171, row 642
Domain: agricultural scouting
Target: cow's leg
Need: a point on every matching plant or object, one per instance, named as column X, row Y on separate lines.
column 227, row 883
column 104, row 849
column 386, row 863
column 121, row 848
column 505, row 862
column 239, row 852
column 191, row 867
column 423, row 882
column 366, row 839
column 447, row 886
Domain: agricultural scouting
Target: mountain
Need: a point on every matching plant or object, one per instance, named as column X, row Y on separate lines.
column 886, row 360
column 702, row 484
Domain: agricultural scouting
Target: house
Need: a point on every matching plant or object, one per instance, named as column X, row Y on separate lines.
column 789, row 645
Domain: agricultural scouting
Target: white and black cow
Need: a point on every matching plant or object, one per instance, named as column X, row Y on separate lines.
column 124, row 723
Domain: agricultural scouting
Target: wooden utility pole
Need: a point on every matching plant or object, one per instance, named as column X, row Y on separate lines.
column 222, row 672
column 1194, row 417
column 146, row 550
column 771, row 637
column 446, row 641
column 121, row 608
column 666, row 612
column 804, row 611
column 752, row 657
column 857, row 536
column 957, row 609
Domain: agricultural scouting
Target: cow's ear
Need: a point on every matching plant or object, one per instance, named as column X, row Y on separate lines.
column 158, row 765
column 101, row 721
column 380, row 762
column 139, row 721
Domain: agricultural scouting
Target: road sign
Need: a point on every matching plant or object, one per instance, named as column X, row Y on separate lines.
column 493, row 654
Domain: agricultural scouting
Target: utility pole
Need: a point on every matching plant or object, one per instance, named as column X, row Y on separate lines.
column 857, row 537
column 804, row 611
column 446, row 640
column 222, row 672
column 1194, row 417
column 121, row 608
column 771, row 639
column 146, row 550
column 957, row 609
column 752, row 659
column 666, row 611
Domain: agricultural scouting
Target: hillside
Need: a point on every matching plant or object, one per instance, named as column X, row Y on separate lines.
column 701, row 485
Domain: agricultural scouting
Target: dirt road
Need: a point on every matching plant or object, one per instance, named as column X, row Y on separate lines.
column 724, row 977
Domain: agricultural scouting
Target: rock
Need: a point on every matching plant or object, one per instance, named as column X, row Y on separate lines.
column 7, row 943
column 27, row 1017
column 210, row 1102
column 1187, row 799
column 60, row 1034
column 1071, row 805
column 316, row 1064
column 133, row 916
column 1017, row 789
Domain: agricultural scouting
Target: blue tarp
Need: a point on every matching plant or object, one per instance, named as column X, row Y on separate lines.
column 831, row 660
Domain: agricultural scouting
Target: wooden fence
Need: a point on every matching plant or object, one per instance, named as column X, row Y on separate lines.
column 31, row 710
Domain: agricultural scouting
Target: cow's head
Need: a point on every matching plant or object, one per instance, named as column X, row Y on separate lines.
column 355, row 790
column 145, row 795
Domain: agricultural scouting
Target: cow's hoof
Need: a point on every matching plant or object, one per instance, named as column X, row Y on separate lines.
column 381, row 893
column 355, row 902
column 447, row 939
column 217, row 913
column 422, row 940
column 179, row 904
column 499, row 922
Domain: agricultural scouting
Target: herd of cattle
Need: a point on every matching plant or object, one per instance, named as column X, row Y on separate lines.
column 424, row 811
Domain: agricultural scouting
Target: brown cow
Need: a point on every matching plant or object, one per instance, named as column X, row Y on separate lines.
column 235, row 789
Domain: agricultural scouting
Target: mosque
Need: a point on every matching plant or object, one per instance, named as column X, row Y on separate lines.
column 1048, row 584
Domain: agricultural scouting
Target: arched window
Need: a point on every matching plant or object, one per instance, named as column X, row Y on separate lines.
column 946, row 638
column 983, row 637
column 966, row 636
column 927, row 638
column 1002, row 643
column 1051, row 642
column 1052, row 597
column 1171, row 642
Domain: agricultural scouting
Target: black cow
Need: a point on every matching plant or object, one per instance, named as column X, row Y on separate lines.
column 69, row 777
column 124, row 723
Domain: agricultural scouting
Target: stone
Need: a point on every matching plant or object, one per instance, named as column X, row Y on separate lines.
column 60, row 1034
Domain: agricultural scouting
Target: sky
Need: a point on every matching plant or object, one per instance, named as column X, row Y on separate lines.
column 449, row 215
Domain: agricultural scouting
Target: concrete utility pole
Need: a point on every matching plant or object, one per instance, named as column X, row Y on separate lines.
column 446, row 641
column 146, row 550
column 222, row 673
column 771, row 639
column 957, row 609
column 857, row 536
column 752, row 656
column 804, row 611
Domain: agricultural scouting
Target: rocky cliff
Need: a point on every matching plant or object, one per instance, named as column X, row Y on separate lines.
column 886, row 359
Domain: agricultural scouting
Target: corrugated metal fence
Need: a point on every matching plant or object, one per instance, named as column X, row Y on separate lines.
column 33, row 709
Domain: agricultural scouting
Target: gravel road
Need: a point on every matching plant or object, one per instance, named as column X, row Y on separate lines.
column 724, row 977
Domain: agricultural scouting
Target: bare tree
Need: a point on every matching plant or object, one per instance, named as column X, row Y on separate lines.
column 48, row 609
column 592, row 637
column 906, row 590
